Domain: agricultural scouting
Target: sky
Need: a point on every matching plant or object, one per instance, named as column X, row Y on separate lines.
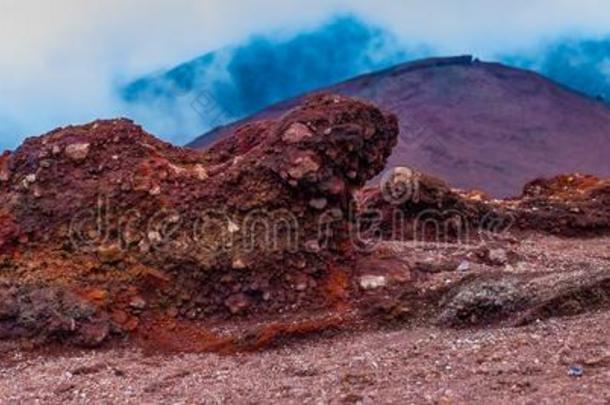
column 61, row 61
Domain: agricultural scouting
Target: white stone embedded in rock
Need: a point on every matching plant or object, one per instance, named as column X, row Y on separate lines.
column 498, row 256
column 464, row 266
column 233, row 227
column 296, row 133
column 77, row 151
column 370, row 282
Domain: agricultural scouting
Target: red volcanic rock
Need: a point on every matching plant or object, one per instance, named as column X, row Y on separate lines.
column 572, row 205
column 410, row 205
column 106, row 230
column 477, row 125
column 567, row 187
column 126, row 224
column 4, row 171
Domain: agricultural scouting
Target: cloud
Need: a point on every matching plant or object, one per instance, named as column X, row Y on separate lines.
column 485, row 27
column 234, row 82
column 582, row 64
column 61, row 60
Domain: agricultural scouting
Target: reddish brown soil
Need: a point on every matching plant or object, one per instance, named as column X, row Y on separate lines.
column 477, row 125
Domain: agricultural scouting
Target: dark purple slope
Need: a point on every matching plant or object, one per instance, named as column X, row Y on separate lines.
column 478, row 125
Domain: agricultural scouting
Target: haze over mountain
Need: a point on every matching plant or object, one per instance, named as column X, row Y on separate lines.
column 478, row 125
column 234, row 82
column 582, row 64
column 222, row 86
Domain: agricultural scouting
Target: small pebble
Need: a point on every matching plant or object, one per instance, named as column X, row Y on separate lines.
column 464, row 266
column 575, row 371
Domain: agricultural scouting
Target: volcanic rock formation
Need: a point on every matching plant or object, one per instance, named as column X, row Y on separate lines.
column 572, row 205
column 102, row 225
column 409, row 205
column 106, row 231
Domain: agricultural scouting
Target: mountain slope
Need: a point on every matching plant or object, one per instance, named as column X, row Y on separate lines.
column 476, row 124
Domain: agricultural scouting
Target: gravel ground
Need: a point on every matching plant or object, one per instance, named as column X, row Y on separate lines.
column 418, row 365
column 414, row 364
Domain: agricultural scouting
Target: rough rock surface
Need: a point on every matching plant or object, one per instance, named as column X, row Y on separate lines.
column 573, row 205
column 409, row 205
column 144, row 232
